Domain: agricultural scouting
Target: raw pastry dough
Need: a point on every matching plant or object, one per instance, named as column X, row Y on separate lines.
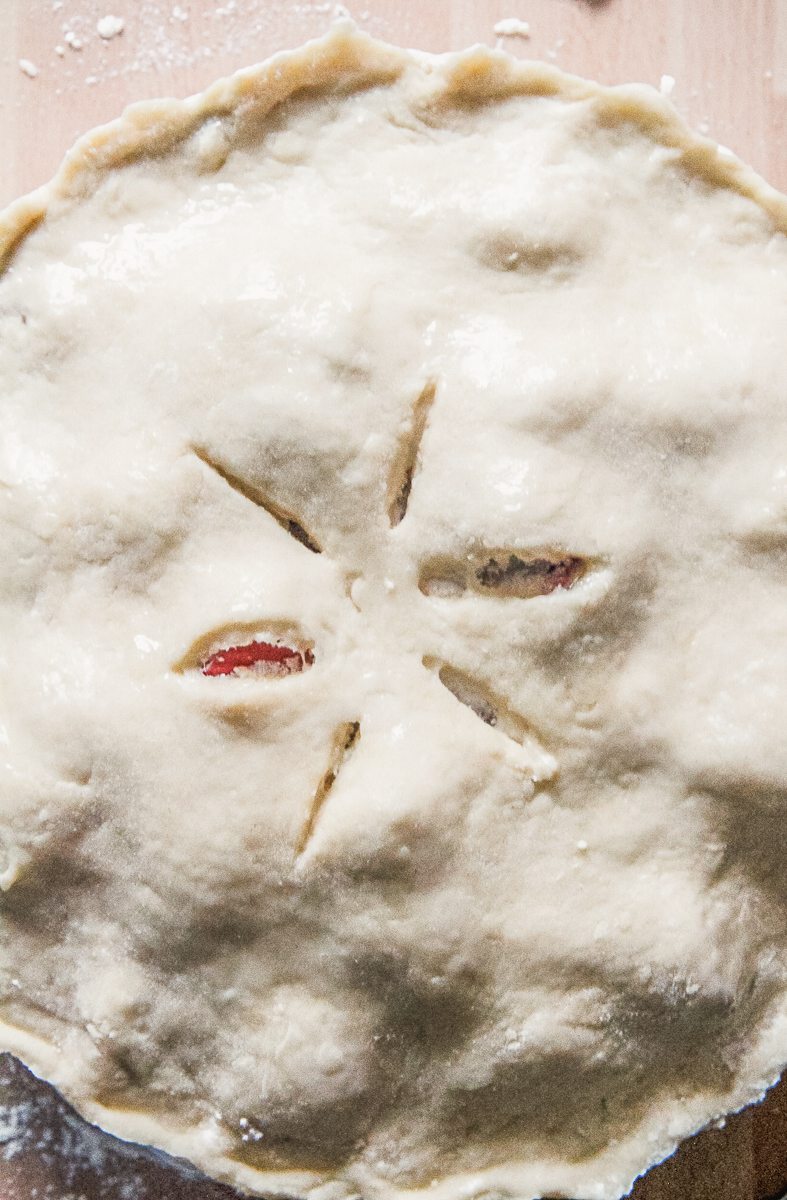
column 394, row 627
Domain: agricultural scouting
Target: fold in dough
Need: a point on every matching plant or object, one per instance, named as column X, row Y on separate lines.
column 457, row 385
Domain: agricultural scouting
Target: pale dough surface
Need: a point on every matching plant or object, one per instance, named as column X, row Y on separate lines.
column 500, row 959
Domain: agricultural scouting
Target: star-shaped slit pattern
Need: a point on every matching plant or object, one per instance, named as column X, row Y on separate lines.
column 502, row 573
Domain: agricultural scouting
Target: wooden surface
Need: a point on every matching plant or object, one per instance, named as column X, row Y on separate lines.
column 729, row 60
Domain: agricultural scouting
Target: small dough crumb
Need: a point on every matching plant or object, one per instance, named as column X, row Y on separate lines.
column 109, row 27
column 512, row 27
column 60, row 51
column 28, row 68
column 71, row 40
column 667, row 85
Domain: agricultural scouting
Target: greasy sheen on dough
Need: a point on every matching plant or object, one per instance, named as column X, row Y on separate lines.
column 465, row 380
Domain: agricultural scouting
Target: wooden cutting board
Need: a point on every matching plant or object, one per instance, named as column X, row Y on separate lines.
column 729, row 62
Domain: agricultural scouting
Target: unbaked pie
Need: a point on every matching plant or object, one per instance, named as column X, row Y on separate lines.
column 394, row 628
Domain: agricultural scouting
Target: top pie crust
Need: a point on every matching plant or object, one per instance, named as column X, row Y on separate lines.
column 462, row 382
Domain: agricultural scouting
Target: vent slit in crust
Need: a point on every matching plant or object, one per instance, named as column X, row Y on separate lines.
column 406, row 459
column 258, row 657
column 345, row 740
column 512, row 574
column 492, row 709
column 284, row 518
column 261, row 650
column 509, row 574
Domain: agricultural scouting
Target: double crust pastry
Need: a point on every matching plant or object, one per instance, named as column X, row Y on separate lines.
column 393, row 495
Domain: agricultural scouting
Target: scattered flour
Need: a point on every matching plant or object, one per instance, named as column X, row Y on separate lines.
column 28, row 68
column 161, row 39
column 512, row 27
column 109, row 27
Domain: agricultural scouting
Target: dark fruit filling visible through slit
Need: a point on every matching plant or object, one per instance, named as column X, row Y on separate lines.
column 506, row 574
column 529, row 576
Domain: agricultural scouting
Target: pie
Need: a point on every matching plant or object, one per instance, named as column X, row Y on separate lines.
column 394, row 628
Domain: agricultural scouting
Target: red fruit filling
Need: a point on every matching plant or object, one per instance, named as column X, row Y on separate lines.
column 261, row 658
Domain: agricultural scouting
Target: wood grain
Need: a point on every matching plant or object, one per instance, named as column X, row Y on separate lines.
column 729, row 58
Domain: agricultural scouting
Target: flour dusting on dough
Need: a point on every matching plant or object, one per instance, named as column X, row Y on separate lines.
column 393, row 609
